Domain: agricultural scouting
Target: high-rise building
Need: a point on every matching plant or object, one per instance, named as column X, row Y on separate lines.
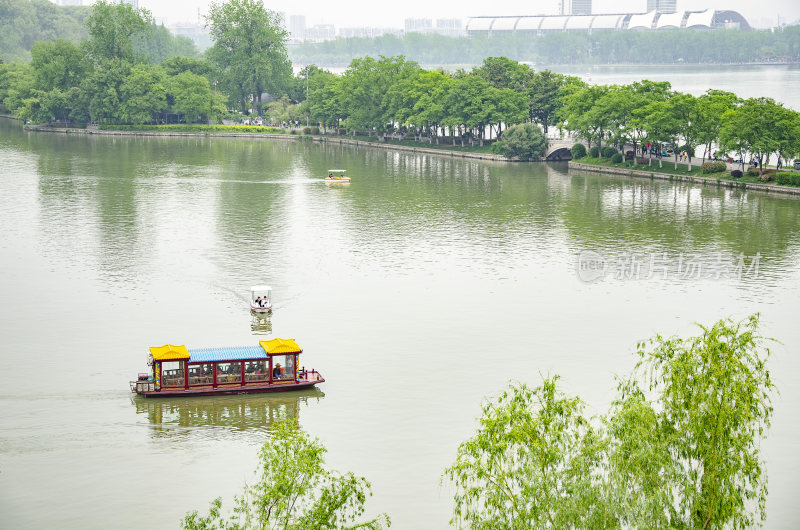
column 662, row 6
column 418, row 25
column 581, row 7
column 575, row 7
column 297, row 26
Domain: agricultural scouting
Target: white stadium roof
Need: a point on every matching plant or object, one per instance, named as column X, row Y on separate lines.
column 641, row 21
column 670, row 20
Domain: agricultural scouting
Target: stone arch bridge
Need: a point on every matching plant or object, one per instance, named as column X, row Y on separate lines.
column 558, row 148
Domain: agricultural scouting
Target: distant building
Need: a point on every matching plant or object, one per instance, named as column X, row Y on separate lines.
column 452, row 27
column 297, row 27
column 68, row 2
column 418, row 25
column 652, row 20
column 575, row 7
column 320, row 33
column 581, row 7
column 662, row 6
column 367, row 32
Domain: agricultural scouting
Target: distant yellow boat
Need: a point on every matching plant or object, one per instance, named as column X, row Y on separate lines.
column 337, row 175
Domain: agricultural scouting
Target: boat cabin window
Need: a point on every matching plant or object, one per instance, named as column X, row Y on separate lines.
column 172, row 374
column 283, row 366
column 256, row 371
column 229, row 372
column 201, row 374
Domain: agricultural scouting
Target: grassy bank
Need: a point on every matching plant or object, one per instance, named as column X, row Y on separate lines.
column 199, row 128
column 784, row 178
column 424, row 145
column 196, row 128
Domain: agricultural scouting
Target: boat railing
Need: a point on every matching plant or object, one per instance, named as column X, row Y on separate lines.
column 143, row 386
column 310, row 375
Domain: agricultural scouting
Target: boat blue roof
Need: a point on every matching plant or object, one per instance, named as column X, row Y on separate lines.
column 226, row 353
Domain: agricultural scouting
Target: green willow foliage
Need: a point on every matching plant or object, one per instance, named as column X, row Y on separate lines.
column 599, row 47
column 293, row 490
column 680, row 447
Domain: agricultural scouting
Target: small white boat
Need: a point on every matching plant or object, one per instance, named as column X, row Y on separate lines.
column 337, row 175
column 261, row 298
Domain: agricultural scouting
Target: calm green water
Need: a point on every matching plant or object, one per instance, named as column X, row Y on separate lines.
column 419, row 289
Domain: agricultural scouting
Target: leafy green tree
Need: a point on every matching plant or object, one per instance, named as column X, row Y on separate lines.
column 101, row 94
column 428, row 112
column 525, row 141
column 752, row 129
column 143, row 95
column 583, row 116
column 692, row 458
column 502, row 72
column 544, row 97
column 325, row 105
column 249, row 51
column 25, row 22
column 178, row 65
column 662, row 125
column 787, row 125
column 60, row 64
column 293, row 490
column 532, row 464
column 113, row 28
column 17, row 82
column 282, row 110
column 192, row 96
column 680, row 447
column 712, row 106
column 685, row 110
column 363, row 87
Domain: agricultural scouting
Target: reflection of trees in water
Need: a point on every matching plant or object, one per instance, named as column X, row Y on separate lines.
column 652, row 216
column 218, row 416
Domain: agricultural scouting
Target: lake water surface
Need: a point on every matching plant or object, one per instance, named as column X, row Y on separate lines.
column 421, row 288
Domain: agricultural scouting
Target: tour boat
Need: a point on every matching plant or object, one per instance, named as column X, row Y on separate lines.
column 261, row 298
column 272, row 366
column 337, row 175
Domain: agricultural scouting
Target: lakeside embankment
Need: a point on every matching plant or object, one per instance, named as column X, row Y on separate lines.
column 442, row 151
column 704, row 181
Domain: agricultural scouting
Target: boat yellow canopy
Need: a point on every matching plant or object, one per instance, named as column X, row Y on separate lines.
column 280, row 346
column 337, row 171
column 169, row 352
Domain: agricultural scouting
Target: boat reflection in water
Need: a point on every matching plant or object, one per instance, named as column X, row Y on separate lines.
column 261, row 323
column 218, row 417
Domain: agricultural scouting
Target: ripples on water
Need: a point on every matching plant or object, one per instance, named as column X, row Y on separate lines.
column 418, row 290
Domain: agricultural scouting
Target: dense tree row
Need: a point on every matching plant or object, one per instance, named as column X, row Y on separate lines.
column 110, row 78
column 651, row 112
column 25, row 22
column 392, row 94
column 599, row 47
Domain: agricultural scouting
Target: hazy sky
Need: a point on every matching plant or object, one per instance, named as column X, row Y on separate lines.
column 348, row 13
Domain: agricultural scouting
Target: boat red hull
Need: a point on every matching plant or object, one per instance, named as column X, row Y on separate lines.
column 231, row 389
